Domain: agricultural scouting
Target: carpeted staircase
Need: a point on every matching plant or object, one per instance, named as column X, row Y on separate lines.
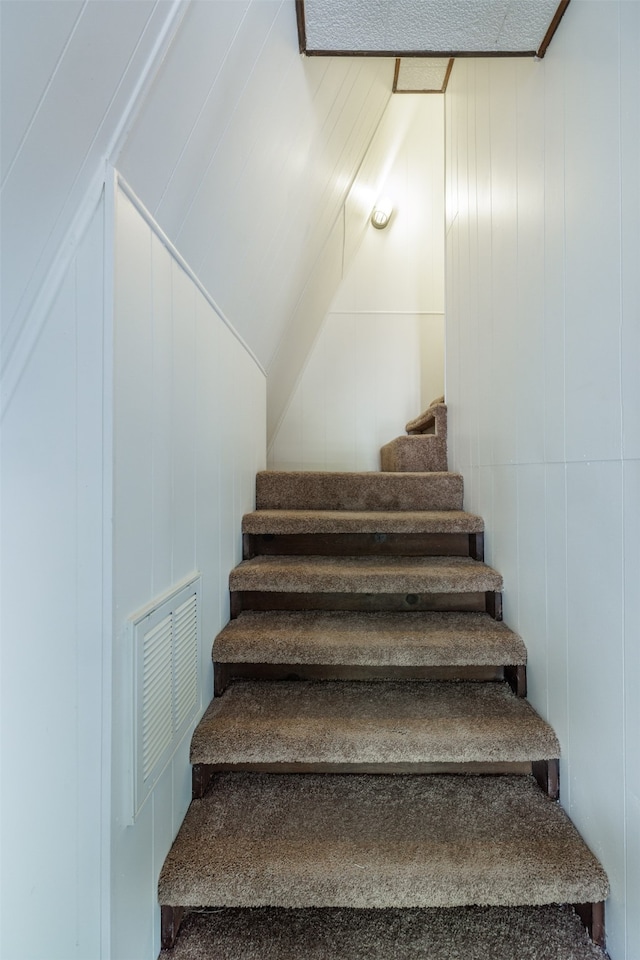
column 369, row 780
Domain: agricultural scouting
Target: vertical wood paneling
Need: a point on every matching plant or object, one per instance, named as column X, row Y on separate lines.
column 51, row 624
column 504, row 262
column 133, row 415
column 184, row 87
column 630, row 225
column 209, row 414
column 223, row 89
column 77, row 113
column 531, row 578
column 162, row 833
column 559, row 349
column 358, row 390
column 189, row 434
column 554, row 261
column 504, row 538
column 224, row 161
column 33, row 38
column 295, row 346
column 269, row 146
column 592, row 362
column 183, row 423
column 596, row 706
column 556, row 614
column 631, row 494
column 484, row 303
column 162, row 405
column 362, row 380
column 133, row 897
column 90, row 896
column 39, row 528
column 529, row 365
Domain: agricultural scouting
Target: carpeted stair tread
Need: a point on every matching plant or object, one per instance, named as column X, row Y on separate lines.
column 315, row 490
column 548, row 932
column 357, row 722
column 377, row 841
column 364, row 575
column 361, row 521
column 372, row 639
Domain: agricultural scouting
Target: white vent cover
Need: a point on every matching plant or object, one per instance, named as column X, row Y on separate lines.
column 166, row 653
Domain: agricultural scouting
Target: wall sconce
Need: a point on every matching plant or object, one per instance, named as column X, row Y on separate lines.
column 382, row 213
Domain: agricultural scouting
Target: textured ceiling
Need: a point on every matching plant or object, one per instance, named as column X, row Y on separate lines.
column 486, row 27
column 420, row 75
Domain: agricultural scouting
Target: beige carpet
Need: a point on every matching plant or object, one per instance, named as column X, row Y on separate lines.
column 343, row 865
column 364, row 575
column 374, row 639
column 360, row 521
column 414, row 454
column 294, row 490
column 467, row 933
column 378, row 841
column 373, row 723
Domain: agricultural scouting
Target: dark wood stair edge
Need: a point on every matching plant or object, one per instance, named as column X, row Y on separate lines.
column 364, row 544
column 224, row 673
column 489, row 601
column 544, row 771
column 516, row 677
column 547, row 775
column 591, row 914
column 170, row 921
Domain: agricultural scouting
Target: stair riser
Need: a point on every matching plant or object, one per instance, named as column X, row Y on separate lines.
column 473, row 602
column 418, row 453
column 368, row 491
column 365, row 544
column 486, row 931
column 203, row 773
column 225, row 673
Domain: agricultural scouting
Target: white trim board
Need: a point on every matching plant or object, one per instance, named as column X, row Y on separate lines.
column 177, row 256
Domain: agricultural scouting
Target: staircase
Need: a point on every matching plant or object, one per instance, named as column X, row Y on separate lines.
column 369, row 780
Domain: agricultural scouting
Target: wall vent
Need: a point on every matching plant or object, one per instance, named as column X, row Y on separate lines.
column 166, row 688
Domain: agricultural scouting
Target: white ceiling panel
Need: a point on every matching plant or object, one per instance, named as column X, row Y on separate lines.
column 427, row 27
column 422, row 74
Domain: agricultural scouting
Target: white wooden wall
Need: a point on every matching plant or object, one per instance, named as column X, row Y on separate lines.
column 71, row 74
column 189, row 435
column 244, row 152
column 55, row 776
column 383, row 334
column 543, row 353
column 359, row 388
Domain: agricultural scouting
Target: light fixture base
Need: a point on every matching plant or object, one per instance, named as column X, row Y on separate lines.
column 381, row 213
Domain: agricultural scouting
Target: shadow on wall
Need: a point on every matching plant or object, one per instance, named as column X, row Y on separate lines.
column 378, row 359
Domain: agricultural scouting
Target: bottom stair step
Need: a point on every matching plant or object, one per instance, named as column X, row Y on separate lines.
column 466, row 933
column 377, row 841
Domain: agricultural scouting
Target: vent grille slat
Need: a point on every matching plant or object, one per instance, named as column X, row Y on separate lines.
column 186, row 660
column 157, row 724
column 166, row 648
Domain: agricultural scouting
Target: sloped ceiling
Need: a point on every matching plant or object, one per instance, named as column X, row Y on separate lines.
column 70, row 75
column 428, row 27
column 243, row 151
